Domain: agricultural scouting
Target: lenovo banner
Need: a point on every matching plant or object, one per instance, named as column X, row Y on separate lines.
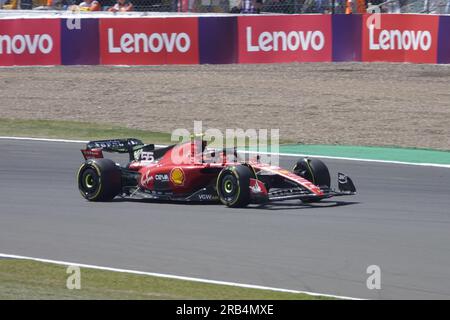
column 149, row 41
column 287, row 38
column 30, row 42
column 400, row 38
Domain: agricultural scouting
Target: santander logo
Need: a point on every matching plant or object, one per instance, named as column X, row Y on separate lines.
column 154, row 42
column 285, row 41
column 400, row 40
column 26, row 44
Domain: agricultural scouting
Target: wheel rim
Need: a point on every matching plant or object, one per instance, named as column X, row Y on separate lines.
column 89, row 182
column 229, row 188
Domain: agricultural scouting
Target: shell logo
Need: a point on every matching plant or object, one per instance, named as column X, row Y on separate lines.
column 177, row 176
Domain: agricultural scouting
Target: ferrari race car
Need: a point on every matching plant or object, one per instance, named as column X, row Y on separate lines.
column 192, row 172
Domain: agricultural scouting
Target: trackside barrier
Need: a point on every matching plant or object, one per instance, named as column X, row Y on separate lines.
column 203, row 39
column 444, row 40
column 80, row 41
column 402, row 38
column 347, row 31
column 30, row 42
column 292, row 38
column 153, row 41
column 218, row 40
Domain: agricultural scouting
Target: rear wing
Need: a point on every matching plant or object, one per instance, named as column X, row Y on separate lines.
column 132, row 146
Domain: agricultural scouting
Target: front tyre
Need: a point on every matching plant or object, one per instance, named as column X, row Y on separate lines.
column 99, row 180
column 233, row 186
column 315, row 171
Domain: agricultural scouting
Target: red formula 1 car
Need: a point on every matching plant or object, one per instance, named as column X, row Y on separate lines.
column 192, row 172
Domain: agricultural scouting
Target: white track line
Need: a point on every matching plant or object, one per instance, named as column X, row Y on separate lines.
column 352, row 159
column 43, row 139
column 436, row 165
column 169, row 276
column 55, row 140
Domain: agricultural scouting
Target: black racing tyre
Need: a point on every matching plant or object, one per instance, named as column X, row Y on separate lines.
column 99, row 180
column 315, row 171
column 233, row 186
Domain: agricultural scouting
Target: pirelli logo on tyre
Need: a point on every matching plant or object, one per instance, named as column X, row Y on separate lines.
column 266, row 39
column 149, row 41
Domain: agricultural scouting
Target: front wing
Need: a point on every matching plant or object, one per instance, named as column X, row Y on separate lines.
column 345, row 185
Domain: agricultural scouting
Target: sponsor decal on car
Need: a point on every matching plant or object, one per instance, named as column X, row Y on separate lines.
column 145, row 157
column 147, row 177
column 207, row 197
column 257, row 187
column 163, row 177
column 177, row 176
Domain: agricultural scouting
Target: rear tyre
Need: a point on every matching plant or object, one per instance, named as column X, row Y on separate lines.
column 315, row 171
column 233, row 186
column 99, row 180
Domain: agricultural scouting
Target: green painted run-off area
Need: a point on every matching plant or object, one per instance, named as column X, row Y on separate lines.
column 371, row 153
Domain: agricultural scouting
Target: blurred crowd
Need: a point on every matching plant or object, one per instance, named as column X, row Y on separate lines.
column 72, row 5
column 356, row 6
column 238, row 6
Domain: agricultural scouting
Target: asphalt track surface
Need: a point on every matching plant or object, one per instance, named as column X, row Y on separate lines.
column 400, row 221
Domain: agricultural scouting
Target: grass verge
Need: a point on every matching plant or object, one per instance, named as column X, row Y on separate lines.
column 24, row 279
column 75, row 130
column 92, row 131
